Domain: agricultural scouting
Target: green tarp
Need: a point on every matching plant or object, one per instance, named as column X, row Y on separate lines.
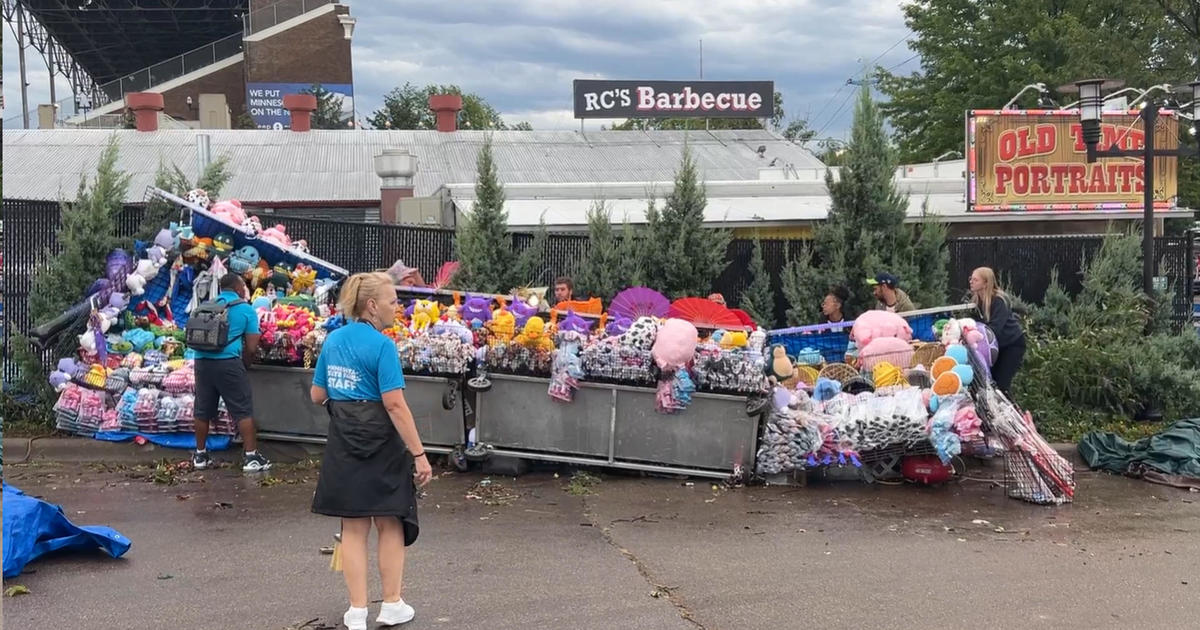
column 1171, row 457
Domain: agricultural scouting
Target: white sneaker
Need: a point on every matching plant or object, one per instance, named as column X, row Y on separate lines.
column 355, row 618
column 395, row 613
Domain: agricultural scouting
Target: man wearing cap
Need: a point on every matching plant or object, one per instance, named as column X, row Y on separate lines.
column 887, row 291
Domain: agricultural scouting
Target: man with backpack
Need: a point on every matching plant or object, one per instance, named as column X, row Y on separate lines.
column 224, row 334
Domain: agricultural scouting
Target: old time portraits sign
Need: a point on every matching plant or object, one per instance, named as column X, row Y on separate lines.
column 1035, row 160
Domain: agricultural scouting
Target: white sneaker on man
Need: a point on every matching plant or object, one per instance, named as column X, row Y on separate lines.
column 355, row 618
column 395, row 613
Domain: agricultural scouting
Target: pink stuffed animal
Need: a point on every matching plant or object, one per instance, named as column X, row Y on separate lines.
column 875, row 324
column 277, row 235
column 675, row 345
column 898, row 352
column 230, row 212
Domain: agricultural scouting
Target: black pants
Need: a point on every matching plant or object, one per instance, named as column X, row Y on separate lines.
column 1008, row 361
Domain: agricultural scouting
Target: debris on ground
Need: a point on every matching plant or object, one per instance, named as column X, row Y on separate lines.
column 15, row 590
column 492, row 493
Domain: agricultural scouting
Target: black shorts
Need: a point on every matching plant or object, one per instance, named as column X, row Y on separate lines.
column 222, row 379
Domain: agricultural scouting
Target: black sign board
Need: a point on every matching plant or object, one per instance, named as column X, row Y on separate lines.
column 674, row 99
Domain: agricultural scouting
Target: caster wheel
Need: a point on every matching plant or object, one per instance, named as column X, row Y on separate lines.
column 476, row 453
column 450, row 396
column 459, row 459
column 480, row 384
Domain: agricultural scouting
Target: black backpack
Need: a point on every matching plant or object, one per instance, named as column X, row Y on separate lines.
column 207, row 328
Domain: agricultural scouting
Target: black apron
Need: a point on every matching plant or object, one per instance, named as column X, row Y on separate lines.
column 366, row 470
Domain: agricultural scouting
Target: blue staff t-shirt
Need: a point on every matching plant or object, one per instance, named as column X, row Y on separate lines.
column 358, row 362
column 243, row 320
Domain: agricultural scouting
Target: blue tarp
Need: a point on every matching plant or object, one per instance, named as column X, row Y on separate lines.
column 169, row 440
column 34, row 528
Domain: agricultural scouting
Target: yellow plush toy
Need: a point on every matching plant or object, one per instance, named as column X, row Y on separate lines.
column 503, row 324
column 534, row 335
column 303, row 278
column 425, row 312
column 735, row 339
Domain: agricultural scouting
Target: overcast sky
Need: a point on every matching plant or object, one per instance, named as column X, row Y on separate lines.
column 521, row 55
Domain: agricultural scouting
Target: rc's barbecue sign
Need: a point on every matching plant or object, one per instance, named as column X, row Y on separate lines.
column 1023, row 160
column 674, row 99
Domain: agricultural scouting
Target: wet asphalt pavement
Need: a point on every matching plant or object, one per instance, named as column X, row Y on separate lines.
column 219, row 550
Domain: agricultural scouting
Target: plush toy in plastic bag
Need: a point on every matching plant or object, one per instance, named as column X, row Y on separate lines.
column 675, row 345
column 898, row 352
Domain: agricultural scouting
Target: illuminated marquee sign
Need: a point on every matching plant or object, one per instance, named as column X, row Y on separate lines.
column 1022, row 160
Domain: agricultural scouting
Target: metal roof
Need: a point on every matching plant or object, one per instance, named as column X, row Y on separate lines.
column 112, row 38
column 270, row 166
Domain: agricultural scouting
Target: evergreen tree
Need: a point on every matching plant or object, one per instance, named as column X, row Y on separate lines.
column 932, row 262
column 758, row 300
column 865, row 232
column 328, row 114
column 632, row 272
column 85, row 237
column 683, row 254
column 483, row 243
column 530, row 266
column 803, row 286
column 601, row 273
column 159, row 213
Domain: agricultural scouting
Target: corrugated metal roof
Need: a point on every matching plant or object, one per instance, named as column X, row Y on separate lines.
column 283, row 166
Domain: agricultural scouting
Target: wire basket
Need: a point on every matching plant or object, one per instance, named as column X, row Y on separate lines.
column 839, row 372
column 926, row 354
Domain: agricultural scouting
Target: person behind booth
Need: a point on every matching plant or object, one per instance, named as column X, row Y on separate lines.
column 374, row 460
column 834, row 304
column 564, row 289
column 996, row 312
column 742, row 316
column 889, row 295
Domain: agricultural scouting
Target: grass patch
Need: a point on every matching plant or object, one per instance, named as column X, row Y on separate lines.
column 581, row 483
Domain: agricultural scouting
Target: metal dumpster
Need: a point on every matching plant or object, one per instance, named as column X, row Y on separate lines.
column 284, row 411
column 615, row 426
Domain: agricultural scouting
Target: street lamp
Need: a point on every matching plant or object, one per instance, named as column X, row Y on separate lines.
column 1091, row 102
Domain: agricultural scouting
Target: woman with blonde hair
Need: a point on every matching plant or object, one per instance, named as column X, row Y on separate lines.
column 995, row 311
column 374, row 460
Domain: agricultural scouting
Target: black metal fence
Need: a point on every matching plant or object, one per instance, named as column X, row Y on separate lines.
column 1023, row 263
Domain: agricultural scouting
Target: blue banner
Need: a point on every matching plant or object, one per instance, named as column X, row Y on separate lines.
column 264, row 101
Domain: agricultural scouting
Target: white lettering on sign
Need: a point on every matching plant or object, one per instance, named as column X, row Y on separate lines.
column 607, row 99
column 688, row 100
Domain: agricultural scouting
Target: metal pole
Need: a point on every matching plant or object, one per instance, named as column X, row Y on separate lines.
column 21, row 58
column 1149, row 118
column 53, row 98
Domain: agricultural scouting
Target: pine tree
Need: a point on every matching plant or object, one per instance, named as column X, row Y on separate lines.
column 159, row 213
column 529, row 268
column 1053, row 317
column 632, row 271
column 931, row 263
column 483, row 243
column 85, row 237
column 328, row 114
column 691, row 255
column 803, row 286
column 758, row 300
column 868, row 211
column 601, row 272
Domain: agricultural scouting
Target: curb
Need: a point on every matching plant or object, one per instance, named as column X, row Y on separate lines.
column 79, row 449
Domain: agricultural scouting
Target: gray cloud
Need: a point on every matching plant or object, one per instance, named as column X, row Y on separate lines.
column 522, row 55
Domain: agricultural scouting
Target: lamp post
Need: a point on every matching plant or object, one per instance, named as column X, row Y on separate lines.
column 1091, row 102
